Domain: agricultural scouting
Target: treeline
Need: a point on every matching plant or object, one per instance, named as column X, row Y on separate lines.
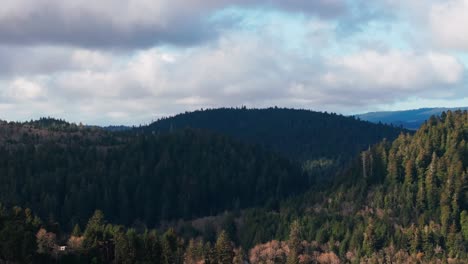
column 25, row 239
column 301, row 135
column 65, row 176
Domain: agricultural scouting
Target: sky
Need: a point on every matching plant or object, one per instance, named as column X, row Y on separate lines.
column 130, row 62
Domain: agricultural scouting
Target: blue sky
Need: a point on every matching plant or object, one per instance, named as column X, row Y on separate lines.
column 133, row 61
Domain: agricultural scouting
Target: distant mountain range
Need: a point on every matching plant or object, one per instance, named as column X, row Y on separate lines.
column 410, row 119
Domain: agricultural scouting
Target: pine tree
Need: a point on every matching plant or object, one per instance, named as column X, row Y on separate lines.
column 427, row 244
column 368, row 243
column 169, row 247
column 191, row 255
column 209, row 254
column 409, row 172
column 151, row 247
column 294, row 243
column 239, row 256
column 431, row 191
column 421, row 195
column 94, row 232
column 464, row 224
column 415, row 244
column 122, row 249
column 76, row 231
column 223, row 249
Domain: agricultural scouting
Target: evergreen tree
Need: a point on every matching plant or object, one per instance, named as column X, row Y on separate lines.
column 368, row 244
column 76, row 231
column 169, row 247
column 431, row 191
column 94, row 232
column 294, row 243
column 464, row 224
column 224, row 249
column 239, row 256
column 209, row 253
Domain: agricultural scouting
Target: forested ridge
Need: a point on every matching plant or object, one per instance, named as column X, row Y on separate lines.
column 66, row 172
column 399, row 201
column 404, row 201
column 302, row 135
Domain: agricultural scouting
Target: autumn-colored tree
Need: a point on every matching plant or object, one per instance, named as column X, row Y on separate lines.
column 270, row 252
column 46, row 241
column 328, row 258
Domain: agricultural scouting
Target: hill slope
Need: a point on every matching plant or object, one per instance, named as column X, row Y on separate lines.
column 66, row 174
column 298, row 134
column 404, row 201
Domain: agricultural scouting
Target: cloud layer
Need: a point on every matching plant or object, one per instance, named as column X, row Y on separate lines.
column 133, row 61
column 448, row 20
column 130, row 23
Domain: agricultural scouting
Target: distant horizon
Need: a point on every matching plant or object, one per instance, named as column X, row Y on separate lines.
column 201, row 109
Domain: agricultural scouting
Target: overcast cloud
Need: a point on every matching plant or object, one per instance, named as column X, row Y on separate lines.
column 129, row 62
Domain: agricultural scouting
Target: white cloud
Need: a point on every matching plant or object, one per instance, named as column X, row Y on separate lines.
column 394, row 70
column 90, row 60
column 448, row 22
column 242, row 69
column 22, row 89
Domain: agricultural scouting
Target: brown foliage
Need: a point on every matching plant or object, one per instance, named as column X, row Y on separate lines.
column 271, row 252
column 75, row 242
column 328, row 258
column 46, row 241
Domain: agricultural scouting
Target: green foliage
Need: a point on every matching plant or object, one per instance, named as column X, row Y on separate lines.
column 95, row 230
column 229, row 226
column 17, row 235
column 223, row 248
column 298, row 134
column 398, row 202
column 169, row 247
column 66, row 175
column 464, row 224
column 409, row 195
column 294, row 243
column 76, row 230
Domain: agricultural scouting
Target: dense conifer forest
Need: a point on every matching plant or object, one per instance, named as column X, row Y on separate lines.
column 184, row 195
column 297, row 134
column 65, row 174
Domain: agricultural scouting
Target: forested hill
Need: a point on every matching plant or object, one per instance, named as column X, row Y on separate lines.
column 66, row 173
column 298, row 134
column 401, row 201
column 404, row 201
